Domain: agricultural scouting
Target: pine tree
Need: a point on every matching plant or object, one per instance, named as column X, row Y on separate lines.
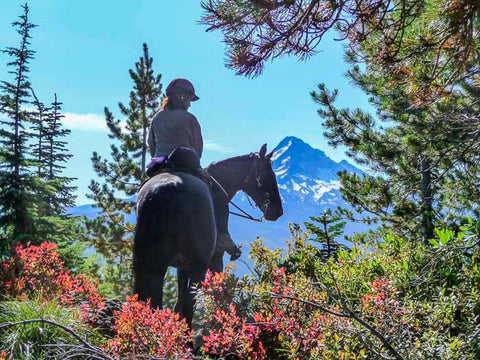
column 16, row 183
column 391, row 34
column 39, row 122
column 55, row 157
column 111, row 233
column 54, row 192
column 330, row 227
column 413, row 153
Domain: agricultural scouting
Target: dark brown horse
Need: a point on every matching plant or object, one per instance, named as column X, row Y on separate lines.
column 176, row 223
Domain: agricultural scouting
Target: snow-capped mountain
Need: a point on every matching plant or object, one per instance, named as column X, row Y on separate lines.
column 307, row 175
column 308, row 184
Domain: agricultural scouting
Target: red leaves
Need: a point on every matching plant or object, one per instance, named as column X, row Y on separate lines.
column 233, row 335
column 248, row 319
column 38, row 270
column 142, row 330
column 270, row 326
column 382, row 305
column 381, row 297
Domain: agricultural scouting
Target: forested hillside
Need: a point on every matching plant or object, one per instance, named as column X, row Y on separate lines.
column 380, row 263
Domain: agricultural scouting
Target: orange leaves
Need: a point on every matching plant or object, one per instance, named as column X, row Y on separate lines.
column 38, row 271
column 231, row 334
column 142, row 330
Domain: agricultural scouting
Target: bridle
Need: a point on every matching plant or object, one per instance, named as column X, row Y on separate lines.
column 246, row 181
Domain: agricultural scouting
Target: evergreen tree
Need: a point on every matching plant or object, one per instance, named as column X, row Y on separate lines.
column 396, row 34
column 55, row 194
column 39, row 120
column 55, row 157
column 34, row 195
column 16, row 183
column 414, row 155
column 330, row 226
column 111, row 233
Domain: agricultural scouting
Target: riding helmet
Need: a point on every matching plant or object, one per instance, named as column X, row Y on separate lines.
column 183, row 85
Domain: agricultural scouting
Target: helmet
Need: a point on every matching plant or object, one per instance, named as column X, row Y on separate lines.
column 183, row 85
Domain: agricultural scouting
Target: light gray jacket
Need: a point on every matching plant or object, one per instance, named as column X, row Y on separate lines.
column 173, row 128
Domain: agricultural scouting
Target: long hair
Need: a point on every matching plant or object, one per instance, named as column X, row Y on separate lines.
column 174, row 102
column 166, row 103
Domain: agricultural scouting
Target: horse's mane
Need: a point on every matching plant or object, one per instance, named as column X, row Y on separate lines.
column 229, row 160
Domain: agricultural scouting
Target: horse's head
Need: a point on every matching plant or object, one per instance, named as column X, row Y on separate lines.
column 261, row 185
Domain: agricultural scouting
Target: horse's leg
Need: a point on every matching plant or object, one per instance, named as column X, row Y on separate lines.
column 149, row 285
column 182, row 291
column 197, row 275
column 216, row 263
column 148, row 267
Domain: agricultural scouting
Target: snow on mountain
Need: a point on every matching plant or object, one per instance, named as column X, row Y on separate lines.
column 308, row 184
column 306, row 175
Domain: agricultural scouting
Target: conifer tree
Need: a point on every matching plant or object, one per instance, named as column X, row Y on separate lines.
column 392, row 34
column 59, row 196
column 38, row 121
column 54, row 192
column 55, row 157
column 34, row 195
column 16, row 183
column 111, row 232
column 326, row 228
column 413, row 154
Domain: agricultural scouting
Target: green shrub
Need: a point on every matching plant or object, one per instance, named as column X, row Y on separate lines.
column 385, row 297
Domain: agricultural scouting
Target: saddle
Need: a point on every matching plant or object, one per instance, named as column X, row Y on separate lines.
column 181, row 159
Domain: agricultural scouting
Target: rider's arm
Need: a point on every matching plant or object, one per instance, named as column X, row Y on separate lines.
column 197, row 136
column 151, row 140
column 221, row 216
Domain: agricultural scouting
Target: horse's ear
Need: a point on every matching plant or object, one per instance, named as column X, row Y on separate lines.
column 269, row 155
column 263, row 151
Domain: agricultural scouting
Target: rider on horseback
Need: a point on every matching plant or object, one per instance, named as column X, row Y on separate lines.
column 174, row 133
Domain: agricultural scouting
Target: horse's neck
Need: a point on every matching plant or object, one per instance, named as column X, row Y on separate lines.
column 231, row 173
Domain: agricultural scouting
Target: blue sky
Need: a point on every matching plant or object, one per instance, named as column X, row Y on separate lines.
column 85, row 48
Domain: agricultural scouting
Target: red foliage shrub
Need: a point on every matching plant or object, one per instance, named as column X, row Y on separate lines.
column 233, row 336
column 142, row 330
column 38, row 271
column 272, row 326
column 33, row 269
column 221, row 288
column 382, row 305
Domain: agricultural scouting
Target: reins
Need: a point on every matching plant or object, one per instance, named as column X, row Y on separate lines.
column 243, row 214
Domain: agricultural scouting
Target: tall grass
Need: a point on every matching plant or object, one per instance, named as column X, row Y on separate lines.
column 39, row 341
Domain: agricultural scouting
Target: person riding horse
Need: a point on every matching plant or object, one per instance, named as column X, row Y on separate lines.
column 175, row 139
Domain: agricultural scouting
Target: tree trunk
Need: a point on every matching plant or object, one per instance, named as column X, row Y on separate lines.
column 427, row 200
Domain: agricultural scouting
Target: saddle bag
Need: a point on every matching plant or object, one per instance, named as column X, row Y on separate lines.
column 155, row 165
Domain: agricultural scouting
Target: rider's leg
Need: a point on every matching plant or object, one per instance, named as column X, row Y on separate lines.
column 225, row 243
